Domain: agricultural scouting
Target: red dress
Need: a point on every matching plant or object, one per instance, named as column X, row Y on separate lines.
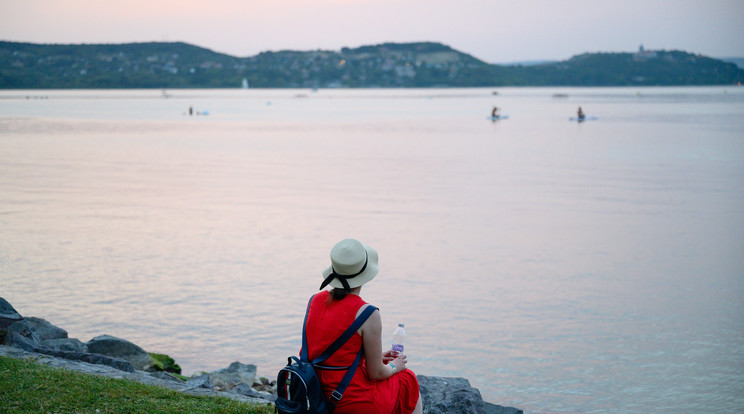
column 326, row 321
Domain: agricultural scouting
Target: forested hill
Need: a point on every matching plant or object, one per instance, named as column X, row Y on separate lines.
column 180, row 65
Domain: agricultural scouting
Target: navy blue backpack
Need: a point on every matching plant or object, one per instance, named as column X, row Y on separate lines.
column 298, row 388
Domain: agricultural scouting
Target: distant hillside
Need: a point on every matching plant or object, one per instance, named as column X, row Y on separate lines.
column 180, row 65
column 649, row 68
column 738, row 61
column 130, row 65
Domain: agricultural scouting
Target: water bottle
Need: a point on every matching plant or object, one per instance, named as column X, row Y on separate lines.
column 399, row 339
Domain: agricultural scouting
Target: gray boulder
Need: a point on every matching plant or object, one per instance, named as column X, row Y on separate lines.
column 498, row 409
column 20, row 335
column 25, row 333
column 65, row 344
column 442, row 395
column 201, row 381
column 166, row 376
column 8, row 314
column 237, row 378
column 234, row 374
column 245, row 389
column 455, row 395
column 97, row 359
column 45, row 330
column 122, row 349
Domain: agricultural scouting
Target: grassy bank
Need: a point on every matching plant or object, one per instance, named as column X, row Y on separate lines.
column 29, row 387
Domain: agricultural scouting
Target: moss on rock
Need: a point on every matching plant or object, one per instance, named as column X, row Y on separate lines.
column 165, row 363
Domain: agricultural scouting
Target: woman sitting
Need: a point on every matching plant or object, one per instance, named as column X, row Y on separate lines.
column 381, row 384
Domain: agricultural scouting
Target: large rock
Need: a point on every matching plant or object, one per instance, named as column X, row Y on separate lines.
column 8, row 314
column 65, row 344
column 97, row 359
column 455, row 395
column 237, row 378
column 498, row 409
column 201, row 381
column 45, row 330
column 121, row 348
column 443, row 395
column 20, row 335
column 234, row 374
column 247, row 390
column 166, row 376
column 25, row 333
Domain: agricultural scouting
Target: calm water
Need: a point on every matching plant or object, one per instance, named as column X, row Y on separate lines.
column 561, row 267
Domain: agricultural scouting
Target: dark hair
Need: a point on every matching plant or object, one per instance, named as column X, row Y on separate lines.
column 339, row 293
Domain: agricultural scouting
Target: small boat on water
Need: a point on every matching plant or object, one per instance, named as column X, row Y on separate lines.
column 498, row 117
column 583, row 118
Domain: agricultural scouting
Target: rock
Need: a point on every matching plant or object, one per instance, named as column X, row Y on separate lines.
column 20, row 335
column 45, row 330
column 498, row 409
column 443, row 395
column 455, row 395
column 8, row 314
column 166, row 376
column 65, row 344
column 244, row 389
column 121, row 348
column 264, row 384
column 236, row 378
column 202, row 381
column 14, row 330
column 98, row 359
column 165, row 363
column 120, row 364
column 233, row 374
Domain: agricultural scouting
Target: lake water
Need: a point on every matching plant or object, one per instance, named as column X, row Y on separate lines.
column 560, row 267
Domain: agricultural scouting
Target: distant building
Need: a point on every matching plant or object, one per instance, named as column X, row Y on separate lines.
column 643, row 54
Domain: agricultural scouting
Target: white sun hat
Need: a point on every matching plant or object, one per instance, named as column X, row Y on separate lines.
column 352, row 264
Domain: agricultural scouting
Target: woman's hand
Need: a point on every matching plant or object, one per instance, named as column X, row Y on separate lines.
column 388, row 356
column 400, row 363
column 377, row 360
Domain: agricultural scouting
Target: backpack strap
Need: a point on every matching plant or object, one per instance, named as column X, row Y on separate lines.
column 335, row 346
column 304, row 351
column 339, row 391
column 341, row 340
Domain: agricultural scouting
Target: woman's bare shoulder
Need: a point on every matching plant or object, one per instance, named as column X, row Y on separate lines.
column 365, row 306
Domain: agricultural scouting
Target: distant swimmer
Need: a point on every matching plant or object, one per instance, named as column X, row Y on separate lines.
column 580, row 114
column 496, row 115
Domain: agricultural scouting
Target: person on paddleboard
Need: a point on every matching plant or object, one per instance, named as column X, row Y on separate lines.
column 580, row 114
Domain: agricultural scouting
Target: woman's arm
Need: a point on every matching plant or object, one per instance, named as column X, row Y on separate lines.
column 371, row 332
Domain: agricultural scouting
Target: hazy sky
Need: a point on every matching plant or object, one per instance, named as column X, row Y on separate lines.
column 491, row 30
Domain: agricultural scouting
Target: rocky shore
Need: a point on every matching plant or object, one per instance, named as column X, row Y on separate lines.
column 38, row 340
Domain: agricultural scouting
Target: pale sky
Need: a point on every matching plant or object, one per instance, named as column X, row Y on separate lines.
column 491, row 30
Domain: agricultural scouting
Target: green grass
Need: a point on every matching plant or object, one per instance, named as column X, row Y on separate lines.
column 26, row 386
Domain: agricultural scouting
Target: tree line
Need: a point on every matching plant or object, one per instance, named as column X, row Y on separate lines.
column 388, row 65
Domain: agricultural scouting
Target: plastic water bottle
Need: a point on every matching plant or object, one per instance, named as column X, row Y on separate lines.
column 399, row 339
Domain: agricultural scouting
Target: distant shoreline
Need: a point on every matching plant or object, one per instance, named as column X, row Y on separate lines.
column 159, row 65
